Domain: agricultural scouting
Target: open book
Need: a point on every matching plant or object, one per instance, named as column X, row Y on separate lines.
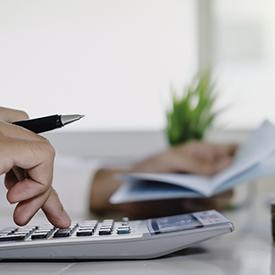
column 254, row 159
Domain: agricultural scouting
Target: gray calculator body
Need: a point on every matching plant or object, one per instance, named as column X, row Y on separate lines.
column 139, row 239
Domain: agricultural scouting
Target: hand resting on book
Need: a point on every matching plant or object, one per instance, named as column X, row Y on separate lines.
column 193, row 157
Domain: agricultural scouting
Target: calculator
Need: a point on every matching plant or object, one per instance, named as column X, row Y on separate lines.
column 109, row 239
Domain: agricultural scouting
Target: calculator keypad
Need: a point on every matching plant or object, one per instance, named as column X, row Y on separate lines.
column 81, row 229
column 16, row 234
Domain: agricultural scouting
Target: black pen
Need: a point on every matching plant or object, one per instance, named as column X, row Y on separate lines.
column 44, row 124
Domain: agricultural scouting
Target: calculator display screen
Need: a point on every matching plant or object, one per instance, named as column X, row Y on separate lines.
column 174, row 223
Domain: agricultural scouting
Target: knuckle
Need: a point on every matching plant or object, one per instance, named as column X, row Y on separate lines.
column 49, row 149
column 43, row 150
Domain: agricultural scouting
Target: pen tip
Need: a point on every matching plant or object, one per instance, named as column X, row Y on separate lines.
column 66, row 119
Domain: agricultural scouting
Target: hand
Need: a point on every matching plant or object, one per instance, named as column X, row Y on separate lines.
column 194, row 157
column 30, row 186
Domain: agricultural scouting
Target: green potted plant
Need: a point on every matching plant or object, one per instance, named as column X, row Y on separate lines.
column 192, row 113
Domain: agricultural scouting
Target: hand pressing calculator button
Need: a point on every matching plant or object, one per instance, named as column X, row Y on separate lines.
column 126, row 239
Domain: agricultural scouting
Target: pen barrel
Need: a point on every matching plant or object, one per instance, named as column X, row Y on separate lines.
column 41, row 125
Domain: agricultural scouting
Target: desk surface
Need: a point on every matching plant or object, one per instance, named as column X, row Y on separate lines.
column 246, row 251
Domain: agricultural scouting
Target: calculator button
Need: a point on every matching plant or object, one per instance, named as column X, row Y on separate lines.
column 26, row 228
column 123, row 230
column 12, row 238
column 41, row 231
column 106, row 227
column 8, row 230
column 41, row 235
column 89, row 228
column 65, row 232
column 89, row 223
column 22, row 232
column 45, row 227
column 102, row 227
column 86, row 230
column 84, row 233
column 62, row 233
column 108, row 221
column 105, row 232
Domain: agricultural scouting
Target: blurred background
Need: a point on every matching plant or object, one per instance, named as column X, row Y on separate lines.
column 115, row 60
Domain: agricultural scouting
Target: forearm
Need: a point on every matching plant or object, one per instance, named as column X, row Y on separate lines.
column 105, row 183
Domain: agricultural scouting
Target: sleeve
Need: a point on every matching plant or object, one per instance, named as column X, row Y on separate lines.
column 73, row 177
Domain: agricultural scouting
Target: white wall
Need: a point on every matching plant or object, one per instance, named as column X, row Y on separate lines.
column 112, row 60
column 244, row 58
